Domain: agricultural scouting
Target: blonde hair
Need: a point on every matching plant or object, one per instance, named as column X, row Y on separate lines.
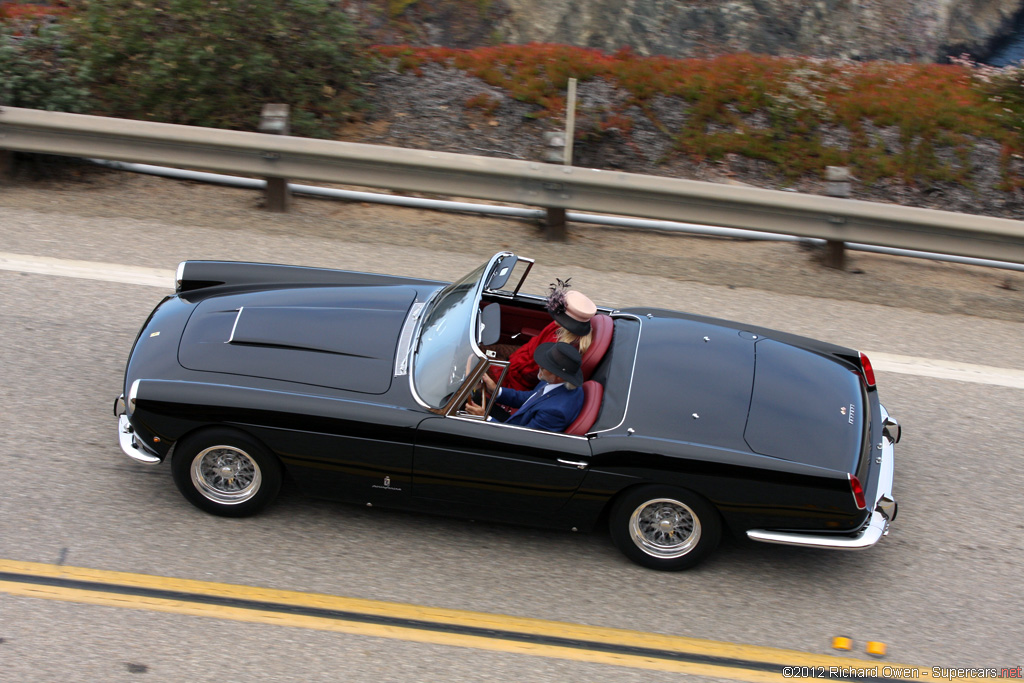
column 581, row 343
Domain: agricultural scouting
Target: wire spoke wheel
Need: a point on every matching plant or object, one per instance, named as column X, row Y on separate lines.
column 226, row 474
column 665, row 528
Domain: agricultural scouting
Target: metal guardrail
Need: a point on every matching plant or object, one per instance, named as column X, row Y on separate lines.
column 522, row 182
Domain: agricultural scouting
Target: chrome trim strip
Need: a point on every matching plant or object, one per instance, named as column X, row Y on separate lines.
column 231, row 337
column 131, row 446
column 503, row 425
column 878, row 525
column 402, row 358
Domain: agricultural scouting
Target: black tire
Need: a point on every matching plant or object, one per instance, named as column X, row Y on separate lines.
column 664, row 528
column 226, row 472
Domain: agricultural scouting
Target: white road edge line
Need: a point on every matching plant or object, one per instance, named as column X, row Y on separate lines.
column 89, row 270
column 946, row 369
column 158, row 277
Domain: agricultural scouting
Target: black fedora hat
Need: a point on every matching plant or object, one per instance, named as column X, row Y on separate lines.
column 561, row 359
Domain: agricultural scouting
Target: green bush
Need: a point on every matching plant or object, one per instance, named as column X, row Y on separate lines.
column 217, row 62
column 38, row 72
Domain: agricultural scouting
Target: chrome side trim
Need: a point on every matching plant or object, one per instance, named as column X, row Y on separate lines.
column 131, row 446
column 502, row 425
column 878, row 525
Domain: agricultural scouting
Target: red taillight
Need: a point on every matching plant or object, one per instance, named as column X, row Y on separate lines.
column 858, row 492
column 867, row 370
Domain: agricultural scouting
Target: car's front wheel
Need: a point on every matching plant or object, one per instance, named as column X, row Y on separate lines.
column 226, row 472
column 664, row 528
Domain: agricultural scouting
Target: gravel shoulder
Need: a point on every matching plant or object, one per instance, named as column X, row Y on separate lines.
column 785, row 268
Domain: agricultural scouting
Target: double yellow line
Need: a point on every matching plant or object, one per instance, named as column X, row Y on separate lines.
column 477, row 630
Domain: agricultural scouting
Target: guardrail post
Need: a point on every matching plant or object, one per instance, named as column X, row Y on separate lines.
column 274, row 120
column 554, row 225
column 837, row 185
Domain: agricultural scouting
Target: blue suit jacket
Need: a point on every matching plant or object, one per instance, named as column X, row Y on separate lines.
column 554, row 411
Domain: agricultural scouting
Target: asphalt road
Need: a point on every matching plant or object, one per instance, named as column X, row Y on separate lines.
column 942, row 590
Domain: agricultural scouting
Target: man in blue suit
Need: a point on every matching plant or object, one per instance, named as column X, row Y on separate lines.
column 554, row 403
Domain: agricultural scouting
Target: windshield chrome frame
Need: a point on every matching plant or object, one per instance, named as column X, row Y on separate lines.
column 478, row 292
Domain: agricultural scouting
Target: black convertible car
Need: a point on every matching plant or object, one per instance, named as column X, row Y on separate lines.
column 355, row 386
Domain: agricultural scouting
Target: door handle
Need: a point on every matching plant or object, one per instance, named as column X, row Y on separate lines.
column 578, row 465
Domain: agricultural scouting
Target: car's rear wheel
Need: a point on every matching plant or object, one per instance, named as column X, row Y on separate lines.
column 664, row 528
column 226, row 472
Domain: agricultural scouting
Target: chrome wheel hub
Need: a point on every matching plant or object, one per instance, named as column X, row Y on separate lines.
column 664, row 528
column 226, row 475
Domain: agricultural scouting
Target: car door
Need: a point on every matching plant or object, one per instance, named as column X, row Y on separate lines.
column 512, row 471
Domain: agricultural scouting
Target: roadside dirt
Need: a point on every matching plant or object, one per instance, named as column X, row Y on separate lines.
column 771, row 266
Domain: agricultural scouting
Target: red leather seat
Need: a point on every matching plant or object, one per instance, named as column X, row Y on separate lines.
column 593, row 392
column 602, row 325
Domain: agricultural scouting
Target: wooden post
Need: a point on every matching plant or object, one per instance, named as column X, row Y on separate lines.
column 837, row 185
column 554, row 225
column 570, row 120
column 274, row 121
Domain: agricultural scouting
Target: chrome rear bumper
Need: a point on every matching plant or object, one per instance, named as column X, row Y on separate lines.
column 883, row 513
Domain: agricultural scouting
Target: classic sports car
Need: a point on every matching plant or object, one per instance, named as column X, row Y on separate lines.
column 355, row 385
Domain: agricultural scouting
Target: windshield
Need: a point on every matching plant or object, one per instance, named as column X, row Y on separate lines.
column 445, row 352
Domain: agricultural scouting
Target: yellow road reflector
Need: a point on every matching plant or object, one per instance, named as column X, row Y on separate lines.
column 842, row 643
column 875, row 648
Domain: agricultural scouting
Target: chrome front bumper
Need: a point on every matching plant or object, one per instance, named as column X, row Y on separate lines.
column 132, row 447
column 878, row 525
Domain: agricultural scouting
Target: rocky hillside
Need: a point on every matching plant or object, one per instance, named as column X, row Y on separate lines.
column 901, row 30
column 439, row 107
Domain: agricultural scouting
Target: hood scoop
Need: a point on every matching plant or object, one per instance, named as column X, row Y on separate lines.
column 345, row 331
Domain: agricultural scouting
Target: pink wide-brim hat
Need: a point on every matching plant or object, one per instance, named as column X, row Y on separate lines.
column 579, row 309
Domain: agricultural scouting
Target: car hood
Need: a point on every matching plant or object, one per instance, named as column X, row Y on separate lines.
column 709, row 384
column 339, row 337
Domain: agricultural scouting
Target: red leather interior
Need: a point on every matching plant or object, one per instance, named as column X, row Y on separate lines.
column 593, row 392
column 602, row 326
column 527, row 321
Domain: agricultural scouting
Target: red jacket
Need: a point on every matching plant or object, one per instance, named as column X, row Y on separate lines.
column 522, row 371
